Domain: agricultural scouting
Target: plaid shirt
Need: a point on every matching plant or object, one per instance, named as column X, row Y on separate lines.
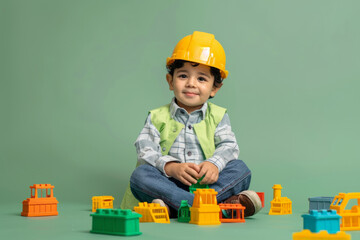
column 186, row 147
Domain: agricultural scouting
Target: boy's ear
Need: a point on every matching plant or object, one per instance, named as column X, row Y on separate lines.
column 215, row 89
column 169, row 79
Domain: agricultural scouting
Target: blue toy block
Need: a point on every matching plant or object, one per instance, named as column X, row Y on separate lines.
column 322, row 220
column 318, row 203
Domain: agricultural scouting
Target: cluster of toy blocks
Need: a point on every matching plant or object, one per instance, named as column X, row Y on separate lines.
column 327, row 219
column 321, row 224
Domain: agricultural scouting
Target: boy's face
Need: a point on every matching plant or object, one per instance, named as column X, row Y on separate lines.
column 192, row 86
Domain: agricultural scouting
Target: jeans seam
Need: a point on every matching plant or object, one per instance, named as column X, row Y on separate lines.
column 234, row 183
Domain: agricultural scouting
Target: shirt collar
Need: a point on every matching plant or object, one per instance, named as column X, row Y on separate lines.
column 174, row 108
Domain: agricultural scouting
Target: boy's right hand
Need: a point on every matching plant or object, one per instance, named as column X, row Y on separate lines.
column 187, row 173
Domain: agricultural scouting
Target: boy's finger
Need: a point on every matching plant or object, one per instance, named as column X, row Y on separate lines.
column 190, row 179
column 194, row 174
column 195, row 167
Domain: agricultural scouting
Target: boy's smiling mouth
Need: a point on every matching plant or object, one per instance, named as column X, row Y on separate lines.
column 190, row 94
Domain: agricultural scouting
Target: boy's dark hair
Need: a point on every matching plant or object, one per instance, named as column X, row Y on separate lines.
column 180, row 63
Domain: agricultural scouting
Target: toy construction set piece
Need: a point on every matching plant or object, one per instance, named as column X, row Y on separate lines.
column 152, row 212
column 280, row 205
column 115, row 222
column 320, row 225
column 197, row 185
column 231, row 213
column 322, row 235
column 184, row 212
column 102, row 202
column 350, row 217
column 205, row 210
column 319, row 203
column 41, row 203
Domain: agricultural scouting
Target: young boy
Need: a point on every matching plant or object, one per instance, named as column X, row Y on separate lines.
column 191, row 137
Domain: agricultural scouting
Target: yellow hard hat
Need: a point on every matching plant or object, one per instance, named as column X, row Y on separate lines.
column 200, row 47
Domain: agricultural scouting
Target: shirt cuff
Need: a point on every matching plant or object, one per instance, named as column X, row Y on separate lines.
column 160, row 163
column 218, row 162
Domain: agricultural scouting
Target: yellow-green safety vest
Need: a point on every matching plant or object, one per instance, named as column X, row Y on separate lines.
column 169, row 129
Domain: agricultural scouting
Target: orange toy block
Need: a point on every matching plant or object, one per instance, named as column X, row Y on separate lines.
column 101, row 202
column 280, row 205
column 350, row 217
column 205, row 210
column 152, row 212
column 39, row 204
column 237, row 212
column 322, row 235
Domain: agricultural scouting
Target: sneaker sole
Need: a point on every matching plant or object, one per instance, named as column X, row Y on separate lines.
column 254, row 198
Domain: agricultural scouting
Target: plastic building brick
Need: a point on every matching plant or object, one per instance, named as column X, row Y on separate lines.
column 322, row 235
column 205, row 210
column 41, row 203
column 262, row 198
column 101, row 202
column 115, row 222
column 280, row 205
column 236, row 210
column 318, row 203
column 184, row 212
column 350, row 217
column 197, row 185
column 152, row 212
column 317, row 221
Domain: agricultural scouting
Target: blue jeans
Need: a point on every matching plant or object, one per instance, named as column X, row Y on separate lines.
column 148, row 183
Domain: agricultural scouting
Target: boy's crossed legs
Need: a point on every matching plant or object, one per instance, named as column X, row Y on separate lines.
column 148, row 183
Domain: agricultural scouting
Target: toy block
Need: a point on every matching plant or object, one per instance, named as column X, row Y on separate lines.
column 236, row 213
column 317, row 221
column 280, row 205
column 102, row 202
column 184, row 212
column 205, row 210
column 152, row 212
column 262, row 198
column 318, row 203
column 115, row 222
column 322, row 235
column 350, row 217
column 197, row 185
column 41, row 203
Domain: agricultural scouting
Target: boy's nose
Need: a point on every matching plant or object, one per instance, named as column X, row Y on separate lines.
column 191, row 82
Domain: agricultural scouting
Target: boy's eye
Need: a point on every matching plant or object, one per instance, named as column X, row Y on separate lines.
column 182, row 76
column 202, row 79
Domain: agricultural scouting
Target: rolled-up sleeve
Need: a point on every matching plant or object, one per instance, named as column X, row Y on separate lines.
column 148, row 147
column 226, row 147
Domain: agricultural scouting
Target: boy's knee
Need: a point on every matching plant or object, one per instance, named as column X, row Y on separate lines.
column 240, row 166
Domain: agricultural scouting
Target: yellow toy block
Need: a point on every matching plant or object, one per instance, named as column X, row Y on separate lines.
column 152, row 212
column 350, row 217
column 205, row 210
column 322, row 235
column 280, row 205
column 101, row 202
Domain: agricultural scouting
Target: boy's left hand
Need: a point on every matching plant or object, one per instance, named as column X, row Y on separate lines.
column 210, row 171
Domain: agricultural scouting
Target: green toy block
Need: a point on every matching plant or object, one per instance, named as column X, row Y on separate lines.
column 184, row 212
column 115, row 222
column 197, row 185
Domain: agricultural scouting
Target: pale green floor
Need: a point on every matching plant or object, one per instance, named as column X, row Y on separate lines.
column 74, row 222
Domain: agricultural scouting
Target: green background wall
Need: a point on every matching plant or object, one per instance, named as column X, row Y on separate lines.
column 78, row 77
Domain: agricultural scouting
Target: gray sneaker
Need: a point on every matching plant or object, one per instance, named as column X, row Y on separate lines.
column 249, row 199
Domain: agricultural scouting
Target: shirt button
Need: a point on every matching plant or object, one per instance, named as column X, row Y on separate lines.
column 174, row 130
column 164, row 148
column 190, row 127
column 189, row 153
